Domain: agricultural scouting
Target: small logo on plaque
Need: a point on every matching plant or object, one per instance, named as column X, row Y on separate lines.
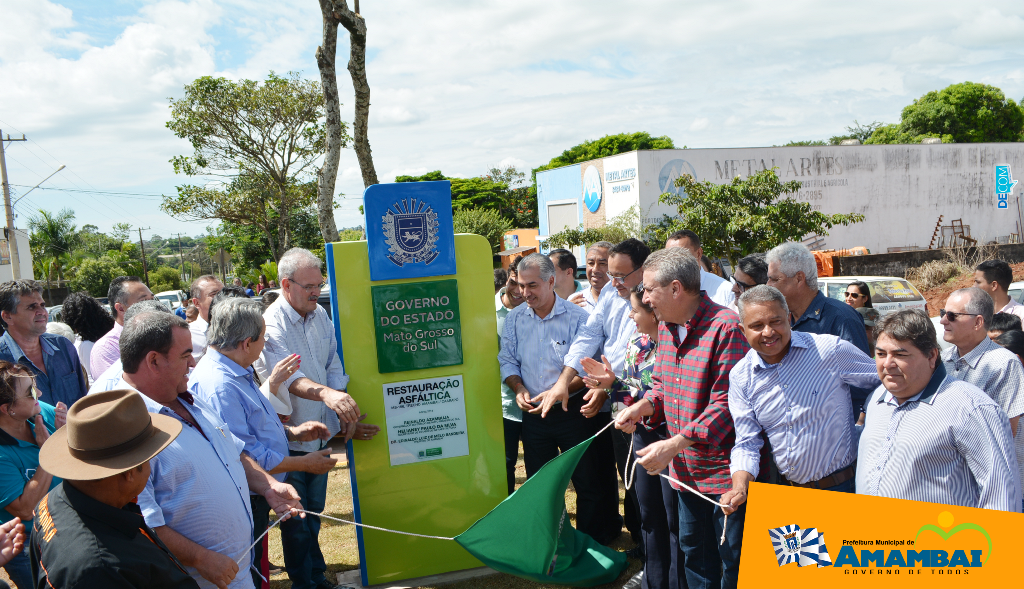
column 410, row 231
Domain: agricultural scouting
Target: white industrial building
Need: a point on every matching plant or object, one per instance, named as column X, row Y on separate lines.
column 900, row 189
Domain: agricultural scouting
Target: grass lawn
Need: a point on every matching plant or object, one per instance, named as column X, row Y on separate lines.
column 338, row 541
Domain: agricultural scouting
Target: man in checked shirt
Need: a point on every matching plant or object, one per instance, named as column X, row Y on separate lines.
column 699, row 343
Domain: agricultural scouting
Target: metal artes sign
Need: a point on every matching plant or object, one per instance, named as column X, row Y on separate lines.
column 409, row 230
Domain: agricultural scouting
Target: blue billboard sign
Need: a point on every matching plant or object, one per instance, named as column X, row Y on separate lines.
column 409, row 230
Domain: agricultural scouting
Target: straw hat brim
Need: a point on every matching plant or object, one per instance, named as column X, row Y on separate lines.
column 56, row 458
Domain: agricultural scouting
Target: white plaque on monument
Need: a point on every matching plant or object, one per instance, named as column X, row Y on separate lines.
column 426, row 419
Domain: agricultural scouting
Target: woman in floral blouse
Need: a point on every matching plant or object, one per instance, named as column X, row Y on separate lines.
column 663, row 567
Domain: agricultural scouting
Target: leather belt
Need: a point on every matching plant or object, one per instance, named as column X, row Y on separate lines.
column 836, row 478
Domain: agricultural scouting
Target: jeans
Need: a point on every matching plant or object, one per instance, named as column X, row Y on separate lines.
column 659, row 514
column 513, row 433
column 708, row 564
column 300, row 538
column 597, row 490
column 19, row 569
column 630, row 505
column 260, row 556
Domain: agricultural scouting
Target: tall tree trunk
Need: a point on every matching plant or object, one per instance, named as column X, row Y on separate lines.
column 325, row 56
column 336, row 12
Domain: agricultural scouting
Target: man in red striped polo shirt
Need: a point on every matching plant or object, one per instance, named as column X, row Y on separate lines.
column 699, row 343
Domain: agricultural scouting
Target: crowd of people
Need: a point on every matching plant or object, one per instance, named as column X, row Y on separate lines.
column 144, row 449
column 151, row 450
column 759, row 378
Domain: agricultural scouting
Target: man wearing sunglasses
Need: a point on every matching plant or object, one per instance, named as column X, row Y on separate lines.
column 976, row 359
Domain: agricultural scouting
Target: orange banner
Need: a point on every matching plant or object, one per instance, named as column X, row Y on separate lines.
column 796, row 536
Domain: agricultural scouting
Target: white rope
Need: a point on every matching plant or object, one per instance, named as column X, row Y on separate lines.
column 345, row 521
column 631, row 478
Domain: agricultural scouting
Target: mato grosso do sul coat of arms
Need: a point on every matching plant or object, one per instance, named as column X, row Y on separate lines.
column 410, row 231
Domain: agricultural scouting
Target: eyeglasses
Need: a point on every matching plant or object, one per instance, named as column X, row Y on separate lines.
column 311, row 287
column 743, row 286
column 952, row 316
column 622, row 279
column 853, row 295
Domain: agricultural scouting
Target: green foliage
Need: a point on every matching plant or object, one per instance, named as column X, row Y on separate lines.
column 745, row 216
column 606, row 146
column 94, row 276
column 349, row 235
column 502, row 189
column 970, row 112
column 266, row 137
column 486, row 222
column 519, row 203
column 960, row 113
column 53, row 238
column 268, row 269
column 620, row 228
column 164, row 278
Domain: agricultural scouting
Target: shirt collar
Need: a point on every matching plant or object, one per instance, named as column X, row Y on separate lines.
column 814, row 310
column 230, row 365
column 47, row 346
column 973, row 357
column 125, row 520
column 289, row 311
column 7, row 439
column 1010, row 306
column 498, row 305
column 927, row 394
column 797, row 339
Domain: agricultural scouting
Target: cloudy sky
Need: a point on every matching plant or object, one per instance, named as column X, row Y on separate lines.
column 460, row 86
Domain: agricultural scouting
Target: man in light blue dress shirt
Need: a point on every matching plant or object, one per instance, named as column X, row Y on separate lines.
column 296, row 324
column 607, row 334
column 224, row 379
column 928, row 436
column 795, row 387
column 197, row 497
column 534, row 343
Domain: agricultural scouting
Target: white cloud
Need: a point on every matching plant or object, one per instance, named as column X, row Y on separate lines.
column 460, row 85
column 700, row 123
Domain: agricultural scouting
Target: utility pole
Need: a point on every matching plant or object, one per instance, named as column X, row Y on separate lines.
column 143, row 246
column 12, row 239
column 181, row 254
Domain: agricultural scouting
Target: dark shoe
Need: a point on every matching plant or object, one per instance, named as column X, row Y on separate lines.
column 635, row 582
column 275, row 569
column 636, row 552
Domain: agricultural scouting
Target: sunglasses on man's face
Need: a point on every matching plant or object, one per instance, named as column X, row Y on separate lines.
column 743, row 286
column 952, row 316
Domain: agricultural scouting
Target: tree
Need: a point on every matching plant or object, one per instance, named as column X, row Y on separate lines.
column 268, row 135
column 250, row 200
column 164, row 278
column 488, row 223
column 519, row 204
column 335, row 12
column 94, row 276
column 620, row 228
column 53, row 237
column 960, row 113
column 606, row 146
column 745, row 216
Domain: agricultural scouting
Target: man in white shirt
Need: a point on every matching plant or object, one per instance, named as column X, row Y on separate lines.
column 597, row 276
column 994, row 277
column 204, row 289
column 718, row 289
column 296, row 324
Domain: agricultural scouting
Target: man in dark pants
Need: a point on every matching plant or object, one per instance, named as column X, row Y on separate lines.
column 534, row 343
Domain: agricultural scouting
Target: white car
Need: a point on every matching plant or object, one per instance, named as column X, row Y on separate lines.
column 173, row 298
column 888, row 293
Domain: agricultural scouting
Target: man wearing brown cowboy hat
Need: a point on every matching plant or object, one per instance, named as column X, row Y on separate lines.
column 88, row 530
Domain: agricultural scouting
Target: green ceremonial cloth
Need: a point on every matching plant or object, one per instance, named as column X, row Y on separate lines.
column 526, row 536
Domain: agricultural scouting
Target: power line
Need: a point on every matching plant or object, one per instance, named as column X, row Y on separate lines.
column 133, row 195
